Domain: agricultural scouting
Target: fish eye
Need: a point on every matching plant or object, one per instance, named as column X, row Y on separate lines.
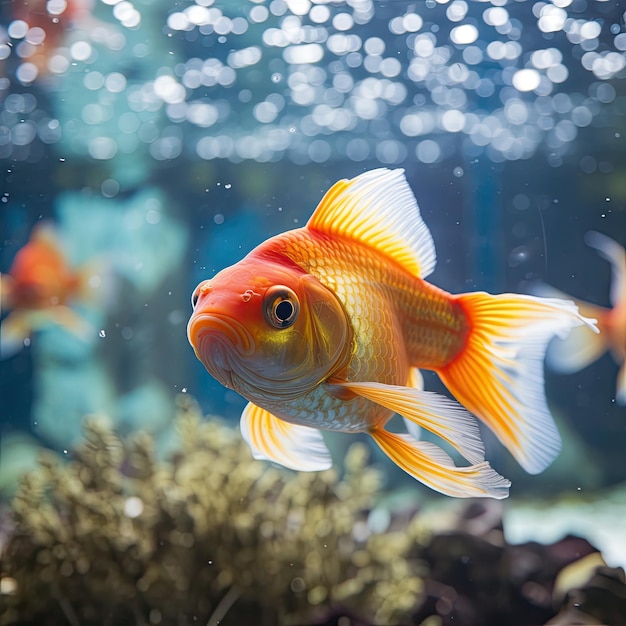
column 194, row 298
column 281, row 306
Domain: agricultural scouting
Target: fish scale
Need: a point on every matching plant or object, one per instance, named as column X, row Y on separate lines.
column 434, row 325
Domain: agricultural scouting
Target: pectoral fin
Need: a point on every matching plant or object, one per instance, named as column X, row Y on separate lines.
column 272, row 439
column 436, row 413
column 432, row 466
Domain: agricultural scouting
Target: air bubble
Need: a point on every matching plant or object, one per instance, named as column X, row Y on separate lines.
column 518, row 256
column 133, row 507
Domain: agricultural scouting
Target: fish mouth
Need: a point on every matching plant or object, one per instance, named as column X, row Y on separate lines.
column 227, row 350
column 219, row 342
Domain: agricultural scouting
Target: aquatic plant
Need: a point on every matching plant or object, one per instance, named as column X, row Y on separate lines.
column 118, row 536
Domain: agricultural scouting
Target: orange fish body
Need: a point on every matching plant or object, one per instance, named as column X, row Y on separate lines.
column 583, row 347
column 40, row 275
column 49, row 24
column 37, row 289
column 326, row 328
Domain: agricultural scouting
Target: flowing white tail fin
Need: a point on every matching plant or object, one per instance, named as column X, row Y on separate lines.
column 499, row 373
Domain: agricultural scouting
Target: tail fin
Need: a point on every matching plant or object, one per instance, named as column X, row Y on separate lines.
column 616, row 256
column 582, row 346
column 498, row 375
column 432, row 466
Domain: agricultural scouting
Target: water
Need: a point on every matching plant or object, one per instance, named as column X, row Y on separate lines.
column 165, row 140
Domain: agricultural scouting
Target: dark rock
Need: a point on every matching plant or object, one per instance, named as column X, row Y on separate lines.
column 601, row 601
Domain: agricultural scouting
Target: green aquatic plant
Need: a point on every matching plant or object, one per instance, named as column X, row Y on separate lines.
column 116, row 536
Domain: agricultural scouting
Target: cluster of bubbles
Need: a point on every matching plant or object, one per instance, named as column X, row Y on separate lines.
column 312, row 80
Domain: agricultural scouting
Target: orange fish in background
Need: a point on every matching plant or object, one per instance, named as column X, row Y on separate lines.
column 38, row 288
column 582, row 347
column 48, row 24
column 325, row 327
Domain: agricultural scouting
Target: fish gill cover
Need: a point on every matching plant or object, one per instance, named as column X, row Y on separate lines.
column 309, row 81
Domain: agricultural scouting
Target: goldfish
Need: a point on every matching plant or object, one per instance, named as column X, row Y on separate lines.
column 38, row 289
column 582, row 347
column 48, row 26
column 327, row 328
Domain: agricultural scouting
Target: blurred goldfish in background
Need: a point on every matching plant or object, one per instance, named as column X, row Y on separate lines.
column 38, row 289
column 326, row 327
column 48, row 22
column 582, row 347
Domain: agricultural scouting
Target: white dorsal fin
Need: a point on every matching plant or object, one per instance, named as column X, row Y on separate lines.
column 270, row 438
column 379, row 209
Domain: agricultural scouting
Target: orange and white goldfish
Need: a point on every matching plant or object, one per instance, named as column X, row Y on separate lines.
column 37, row 289
column 326, row 328
column 582, row 347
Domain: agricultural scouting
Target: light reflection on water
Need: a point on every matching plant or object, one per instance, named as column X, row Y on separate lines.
column 310, row 81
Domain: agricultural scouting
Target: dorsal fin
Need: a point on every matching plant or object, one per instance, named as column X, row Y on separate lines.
column 379, row 209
